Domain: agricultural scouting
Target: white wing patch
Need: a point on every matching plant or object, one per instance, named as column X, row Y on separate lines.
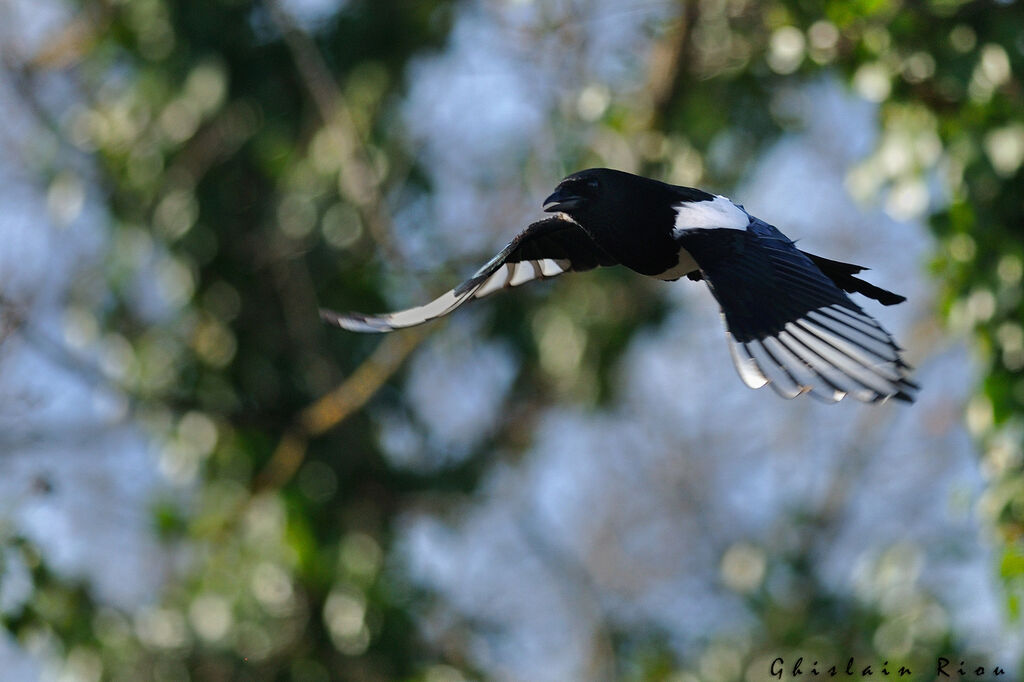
column 717, row 213
column 507, row 275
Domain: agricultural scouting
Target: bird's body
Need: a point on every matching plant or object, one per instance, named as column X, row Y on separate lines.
column 790, row 324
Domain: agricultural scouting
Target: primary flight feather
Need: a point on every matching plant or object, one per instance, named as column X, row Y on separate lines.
column 790, row 324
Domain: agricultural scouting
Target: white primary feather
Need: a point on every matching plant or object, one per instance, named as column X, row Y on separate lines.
column 524, row 272
column 550, row 267
column 442, row 305
column 747, row 367
column 499, row 280
column 514, row 274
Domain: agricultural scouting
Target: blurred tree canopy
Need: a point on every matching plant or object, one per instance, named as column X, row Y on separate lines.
column 252, row 161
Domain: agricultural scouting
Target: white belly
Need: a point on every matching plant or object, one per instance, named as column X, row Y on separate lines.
column 686, row 265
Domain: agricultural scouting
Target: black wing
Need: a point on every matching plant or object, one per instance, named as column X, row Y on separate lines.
column 789, row 325
column 544, row 249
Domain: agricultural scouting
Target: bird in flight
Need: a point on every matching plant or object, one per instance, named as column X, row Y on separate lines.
column 789, row 323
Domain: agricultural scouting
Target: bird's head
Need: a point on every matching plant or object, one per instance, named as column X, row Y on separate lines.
column 576, row 194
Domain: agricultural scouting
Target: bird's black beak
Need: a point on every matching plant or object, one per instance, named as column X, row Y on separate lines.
column 561, row 201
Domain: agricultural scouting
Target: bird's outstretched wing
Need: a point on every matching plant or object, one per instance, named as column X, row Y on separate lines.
column 789, row 325
column 545, row 249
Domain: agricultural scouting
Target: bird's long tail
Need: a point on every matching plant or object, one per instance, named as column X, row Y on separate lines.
column 842, row 274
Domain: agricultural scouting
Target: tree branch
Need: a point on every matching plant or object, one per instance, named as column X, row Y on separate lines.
column 334, row 407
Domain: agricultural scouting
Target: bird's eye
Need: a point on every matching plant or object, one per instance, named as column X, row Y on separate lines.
column 592, row 183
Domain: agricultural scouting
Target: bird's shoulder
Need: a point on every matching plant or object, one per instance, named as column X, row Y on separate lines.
column 696, row 209
column 766, row 231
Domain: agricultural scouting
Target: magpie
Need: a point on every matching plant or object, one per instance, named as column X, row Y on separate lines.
column 789, row 323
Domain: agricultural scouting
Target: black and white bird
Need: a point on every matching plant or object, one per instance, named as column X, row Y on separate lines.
column 789, row 323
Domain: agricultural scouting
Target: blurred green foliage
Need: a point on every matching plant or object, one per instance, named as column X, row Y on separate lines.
column 227, row 160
